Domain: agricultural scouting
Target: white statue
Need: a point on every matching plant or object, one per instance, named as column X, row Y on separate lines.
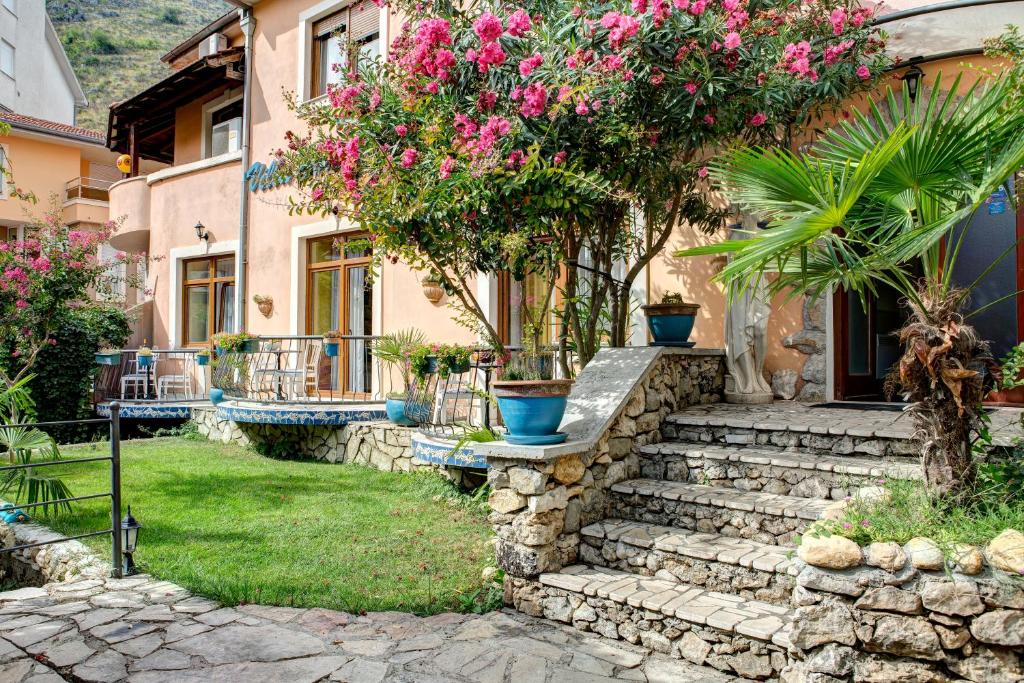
column 746, row 339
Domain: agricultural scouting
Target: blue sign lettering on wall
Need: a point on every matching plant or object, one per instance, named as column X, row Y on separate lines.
column 997, row 202
column 263, row 177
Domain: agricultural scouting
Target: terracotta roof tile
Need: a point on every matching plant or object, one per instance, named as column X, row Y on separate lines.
column 45, row 126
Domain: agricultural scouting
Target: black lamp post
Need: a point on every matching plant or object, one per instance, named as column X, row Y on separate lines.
column 129, row 539
column 912, row 78
column 201, row 232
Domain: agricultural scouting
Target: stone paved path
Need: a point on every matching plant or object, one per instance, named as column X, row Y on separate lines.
column 143, row 630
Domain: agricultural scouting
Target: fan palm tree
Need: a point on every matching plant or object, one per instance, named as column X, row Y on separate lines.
column 22, row 444
column 879, row 201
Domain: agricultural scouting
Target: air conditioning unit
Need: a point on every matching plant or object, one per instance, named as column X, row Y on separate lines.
column 212, row 45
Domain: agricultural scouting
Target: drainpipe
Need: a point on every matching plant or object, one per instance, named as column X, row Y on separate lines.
column 248, row 25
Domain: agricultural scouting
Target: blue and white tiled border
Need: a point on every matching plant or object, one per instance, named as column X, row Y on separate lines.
column 436, row 452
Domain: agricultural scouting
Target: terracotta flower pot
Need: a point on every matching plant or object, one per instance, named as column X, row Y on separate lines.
column 433, row 292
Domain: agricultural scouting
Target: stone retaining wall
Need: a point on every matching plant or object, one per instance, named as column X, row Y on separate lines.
column 382, row 445
column 540, row 502
column 874, row 625
column 47, row 563
column 730, row 652
column 750, row 583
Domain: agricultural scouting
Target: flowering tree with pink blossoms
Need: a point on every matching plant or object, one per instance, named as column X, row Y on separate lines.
column 538, row 136
column 54, row 268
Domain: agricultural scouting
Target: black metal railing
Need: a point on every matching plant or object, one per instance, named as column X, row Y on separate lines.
column 114, row 493
column 171, row 375
column 304, row 369
column 447, row 406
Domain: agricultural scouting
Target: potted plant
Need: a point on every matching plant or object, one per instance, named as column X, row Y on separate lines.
column 1009, row 389
column 203, row 356
column 108, row 357
column 531, row 403
column 395, row 350
column 432, row 288
column 332, row 342
column 145, row 356
column 451, row 359
column 239, row 342
column 671, row 321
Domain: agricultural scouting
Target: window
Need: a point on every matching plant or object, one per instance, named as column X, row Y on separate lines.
column 3, row 172
column 339, row 297
column 7, row 58
column 11, row 6
column 355, row 29
column 208, row 293
column 115, row 289
column 226, row 129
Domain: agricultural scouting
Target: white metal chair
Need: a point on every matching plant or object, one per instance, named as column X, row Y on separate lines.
column 178, row 380
column 135, row 378
column 301, row 381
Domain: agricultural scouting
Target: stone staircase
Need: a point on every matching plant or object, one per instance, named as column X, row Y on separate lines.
column 696, row 557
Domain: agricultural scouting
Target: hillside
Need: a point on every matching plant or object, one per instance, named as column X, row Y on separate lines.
column 116, row 45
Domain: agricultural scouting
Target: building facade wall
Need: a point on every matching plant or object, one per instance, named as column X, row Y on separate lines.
column 39, row 86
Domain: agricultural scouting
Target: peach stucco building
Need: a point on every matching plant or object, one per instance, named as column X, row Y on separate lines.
column 226, row 241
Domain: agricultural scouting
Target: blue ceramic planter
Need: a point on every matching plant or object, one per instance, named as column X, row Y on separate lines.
column 671, row 324
column 145, row 361
column 203, row 360
column 532, row 410
column 216, row 396
column 331, row 349
column 108, row 358
column 395, row 408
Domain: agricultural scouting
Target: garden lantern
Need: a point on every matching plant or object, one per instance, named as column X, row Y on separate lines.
column 129, row 539
column 201, row 231
column 913, row 79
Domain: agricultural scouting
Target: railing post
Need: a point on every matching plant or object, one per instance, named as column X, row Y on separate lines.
column 115, row 485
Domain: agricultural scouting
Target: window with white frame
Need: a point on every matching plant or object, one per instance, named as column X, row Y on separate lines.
column 7, row 58
column 353, row 31
column 3, row 172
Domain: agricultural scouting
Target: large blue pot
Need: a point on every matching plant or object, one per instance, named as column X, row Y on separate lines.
column 395, row 408
column 671, row 324
column 532, row 410
column 144, row 361
column 331, row 349
column 216, row 396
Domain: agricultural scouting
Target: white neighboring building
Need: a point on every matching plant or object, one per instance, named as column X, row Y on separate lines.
column 36, row 78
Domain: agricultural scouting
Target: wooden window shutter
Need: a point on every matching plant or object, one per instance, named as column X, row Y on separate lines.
column 331, row 24
column 365, row 20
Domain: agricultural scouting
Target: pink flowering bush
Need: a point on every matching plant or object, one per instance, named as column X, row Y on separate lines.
column 53, row 269
column 494, row 138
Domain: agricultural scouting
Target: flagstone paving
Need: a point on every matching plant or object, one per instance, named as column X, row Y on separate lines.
column 142, row 630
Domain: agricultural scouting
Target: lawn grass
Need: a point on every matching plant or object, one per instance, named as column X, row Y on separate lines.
column 232, row 525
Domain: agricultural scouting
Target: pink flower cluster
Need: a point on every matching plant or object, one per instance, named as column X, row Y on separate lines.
column 621, row 27
column 834, row 53
column 535, row 99
column 519, row 23
column 344, row 156
column 528, row 65
column 489, row 30
column 796, row 59
column 479, row 141
column 429, row 55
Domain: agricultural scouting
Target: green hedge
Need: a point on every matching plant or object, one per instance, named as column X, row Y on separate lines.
column 62, row 388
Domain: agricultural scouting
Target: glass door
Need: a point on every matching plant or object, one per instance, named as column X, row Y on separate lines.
column 339, row 299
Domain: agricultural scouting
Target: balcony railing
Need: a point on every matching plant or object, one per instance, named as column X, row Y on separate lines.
column 88, row 188
column 173, row 375
column 304, row 369
column 448, row 406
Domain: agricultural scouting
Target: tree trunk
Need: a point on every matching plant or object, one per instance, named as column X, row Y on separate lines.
column 948, row 464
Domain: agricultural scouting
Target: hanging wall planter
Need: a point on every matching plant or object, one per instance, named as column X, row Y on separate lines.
column 432, row 289
column 108, row 357
column 145, row 357
column 332, row 344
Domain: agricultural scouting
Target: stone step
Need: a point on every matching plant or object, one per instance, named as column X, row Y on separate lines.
column 752, row 570
column 750, row 468
column 730, row 633
column 790, row 425
column 764, row 517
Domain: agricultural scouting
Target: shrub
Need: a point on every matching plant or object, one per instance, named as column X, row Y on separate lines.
column 64, row 372
column 172, row 15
